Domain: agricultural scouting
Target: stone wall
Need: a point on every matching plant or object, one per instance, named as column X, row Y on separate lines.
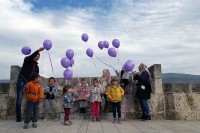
column 168, row 101
column 182, row 101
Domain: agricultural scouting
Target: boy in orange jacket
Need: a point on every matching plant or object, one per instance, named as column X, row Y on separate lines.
column 34, row 93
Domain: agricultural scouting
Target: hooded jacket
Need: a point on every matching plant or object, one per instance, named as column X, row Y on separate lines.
column 115, row 93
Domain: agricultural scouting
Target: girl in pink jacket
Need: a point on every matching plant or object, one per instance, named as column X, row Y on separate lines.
column 84, row 91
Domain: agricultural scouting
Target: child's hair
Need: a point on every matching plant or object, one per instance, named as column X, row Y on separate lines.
column 83, row 79
column 65, row 88
column 34, row 76
column 52, row 78
column 95, row 80
column 113, row 80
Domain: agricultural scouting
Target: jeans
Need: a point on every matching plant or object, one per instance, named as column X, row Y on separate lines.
column 52, row 103
column 144, row 107
column 116, row 106
column 20, row 86
column 31, row 112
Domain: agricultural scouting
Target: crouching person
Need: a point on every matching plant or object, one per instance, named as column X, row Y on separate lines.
column 34, row 93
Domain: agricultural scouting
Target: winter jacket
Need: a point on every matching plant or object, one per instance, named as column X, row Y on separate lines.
column 143, row 80
column 104, row 83
column 95, row 94
column 49, row 89
column 29, row 66
column 83, row 91
column 33, row 91
column 68, row 100
column 115, row 93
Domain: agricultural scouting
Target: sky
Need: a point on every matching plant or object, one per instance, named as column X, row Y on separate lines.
column 165, row 32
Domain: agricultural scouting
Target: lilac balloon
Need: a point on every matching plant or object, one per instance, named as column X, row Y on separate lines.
column 112, row 52
column 47, row 44
column 26, row 50
column 70, row 53
column 71, row 62
column 84, row 37
column 116, row 43
column 106, row 44
column 65, row 62
column 101, row 44
column 89, row 52
column 129, row 65
column 68, row 74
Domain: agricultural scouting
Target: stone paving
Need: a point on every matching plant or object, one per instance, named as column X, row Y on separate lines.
column 105, row 126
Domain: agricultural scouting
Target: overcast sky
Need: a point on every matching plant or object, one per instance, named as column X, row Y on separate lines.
column 165, row 32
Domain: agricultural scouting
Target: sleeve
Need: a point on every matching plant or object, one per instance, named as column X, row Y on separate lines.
column 122, row 91
column 79, row 88
column 26, row 88
column 40, row 92
column 108, row 94
column 31, row 57
column 144, row 78
column 55, row 92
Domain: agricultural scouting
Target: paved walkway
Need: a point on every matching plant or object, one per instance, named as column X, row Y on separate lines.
column 105, row 126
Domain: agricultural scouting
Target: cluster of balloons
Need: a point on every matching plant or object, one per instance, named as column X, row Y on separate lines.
column 129, row 65
column 67, row 62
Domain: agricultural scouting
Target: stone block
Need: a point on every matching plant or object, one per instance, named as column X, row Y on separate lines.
column 4, row 88
column 156, row 103
column 155, row 71
column 169, row 102
column 188, row 115
column 157, row 86
column 195, row 88
column 173, row 115
column 167, row 88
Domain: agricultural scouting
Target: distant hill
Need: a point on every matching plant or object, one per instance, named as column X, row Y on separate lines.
column 4, row 81
column 180, row 78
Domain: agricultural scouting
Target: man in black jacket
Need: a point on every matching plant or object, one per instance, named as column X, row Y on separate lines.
column 29, row 66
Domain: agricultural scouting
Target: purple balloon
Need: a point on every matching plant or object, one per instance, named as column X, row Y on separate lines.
column 89, row 52
column 101, row 44
column 65, row 62
column 70, row 53
column 68, row 74
column 116, row 43
column 129, row 65
column 84, row 37
column 26, row 50
column 106, row 44
column 47, row 44
column 71, row 62
column 112, row 52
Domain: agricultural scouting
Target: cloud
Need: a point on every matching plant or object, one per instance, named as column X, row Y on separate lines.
column 161, row 32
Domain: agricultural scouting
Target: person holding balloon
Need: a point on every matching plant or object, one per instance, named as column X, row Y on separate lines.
column 30, row 65
column 105, row 81
column 143, row 92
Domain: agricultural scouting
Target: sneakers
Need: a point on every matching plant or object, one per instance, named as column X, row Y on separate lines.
column 148, row 117
column 45, row 119
column 114, row 120
column 120, row 121
column 25, row 126
column 56, row 119
column 67, row 122
column 34, row 125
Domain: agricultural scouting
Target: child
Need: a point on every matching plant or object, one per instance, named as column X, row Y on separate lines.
column 83, row 91
column 95, row 99
column 105, row 82
column 33, row 92
column 50, row 92
column 68, row 99
column 115, row 93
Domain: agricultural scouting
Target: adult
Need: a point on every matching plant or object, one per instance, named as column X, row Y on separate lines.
column 29, row 67
column 143, row 90
column 104, row 82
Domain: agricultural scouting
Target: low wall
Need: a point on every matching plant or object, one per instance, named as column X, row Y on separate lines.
column 182, row 101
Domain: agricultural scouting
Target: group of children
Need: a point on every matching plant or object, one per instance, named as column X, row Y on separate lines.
column 103, row 87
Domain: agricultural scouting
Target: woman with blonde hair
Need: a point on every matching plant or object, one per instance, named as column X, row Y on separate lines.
column 105, row 81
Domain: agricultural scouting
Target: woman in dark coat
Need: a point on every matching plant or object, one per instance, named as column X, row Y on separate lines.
column 143, row 90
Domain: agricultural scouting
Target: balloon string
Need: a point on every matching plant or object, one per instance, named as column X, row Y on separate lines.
column 105, row 63
column 51, row 63
column 119, row 61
